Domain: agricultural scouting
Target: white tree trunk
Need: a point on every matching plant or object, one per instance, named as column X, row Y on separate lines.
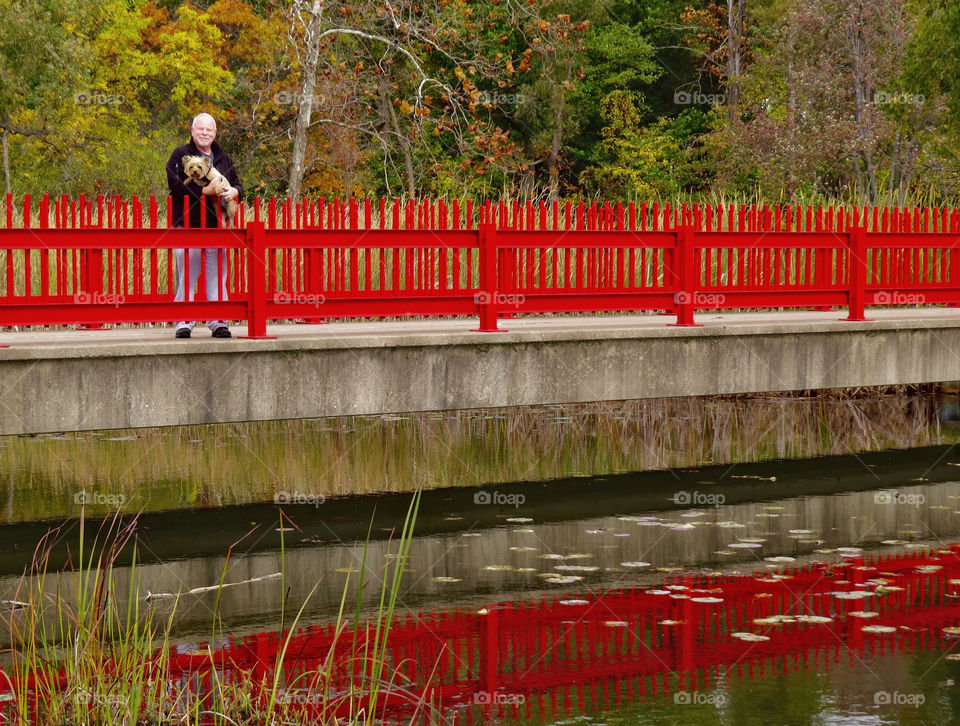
column 862, row 89
column 6, row 161
column 735, row 22
column 305, row 111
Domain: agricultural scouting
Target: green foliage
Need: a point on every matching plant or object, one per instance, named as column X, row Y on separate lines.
column 644, row 159
column 561, row 97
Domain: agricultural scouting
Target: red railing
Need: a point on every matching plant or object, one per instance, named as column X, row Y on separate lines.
column 85, row 261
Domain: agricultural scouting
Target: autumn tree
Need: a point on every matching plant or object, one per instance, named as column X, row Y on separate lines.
column 813, row 112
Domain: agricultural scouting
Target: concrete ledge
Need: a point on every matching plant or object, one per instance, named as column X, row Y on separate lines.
column 83, row 380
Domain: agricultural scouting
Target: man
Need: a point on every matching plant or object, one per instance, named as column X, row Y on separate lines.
column 203, row 200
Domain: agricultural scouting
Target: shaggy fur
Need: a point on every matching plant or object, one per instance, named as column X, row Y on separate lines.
column 199, row 170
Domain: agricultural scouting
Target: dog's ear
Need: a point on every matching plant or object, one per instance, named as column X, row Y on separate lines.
column 205, row 163
column 184, row 160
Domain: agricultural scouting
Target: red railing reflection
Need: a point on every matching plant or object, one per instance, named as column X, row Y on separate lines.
column 544, row 656
column 540, row 649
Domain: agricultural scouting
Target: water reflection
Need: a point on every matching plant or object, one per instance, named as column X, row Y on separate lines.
column 690, row 594
column 684, row 646
column 44, row 477
column 859, row 636
column 593, row 532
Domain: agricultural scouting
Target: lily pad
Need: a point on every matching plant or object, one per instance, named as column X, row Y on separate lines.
column 577, row 568
column 878, row 629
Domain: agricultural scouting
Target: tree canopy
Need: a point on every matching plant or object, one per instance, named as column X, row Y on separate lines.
column 851, row 99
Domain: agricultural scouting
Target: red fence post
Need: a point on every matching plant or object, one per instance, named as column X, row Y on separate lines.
column 91, row 277
column 256, row 238
column 857, row 272
column 489, row 643
column 685, row 277
column 486, row 297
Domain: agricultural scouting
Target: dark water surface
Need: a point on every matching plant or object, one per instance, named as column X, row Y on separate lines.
column 551, row 579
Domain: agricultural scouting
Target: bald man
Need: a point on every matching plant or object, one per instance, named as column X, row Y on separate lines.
column 203, row 200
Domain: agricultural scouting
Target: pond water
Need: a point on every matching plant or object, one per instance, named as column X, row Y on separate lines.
column 614, row 564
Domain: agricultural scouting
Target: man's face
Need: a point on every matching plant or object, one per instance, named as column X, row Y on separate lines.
column 204, row 132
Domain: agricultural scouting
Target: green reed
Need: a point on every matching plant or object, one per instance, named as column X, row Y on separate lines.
column 90, row 653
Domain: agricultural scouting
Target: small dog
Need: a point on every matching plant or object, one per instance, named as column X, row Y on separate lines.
column 198, row 170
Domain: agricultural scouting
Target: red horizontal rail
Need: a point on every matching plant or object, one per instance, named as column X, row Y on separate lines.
column 772, row 240
column 368, row 239
column 87, row 261
column 93, row 239
column 522, row 239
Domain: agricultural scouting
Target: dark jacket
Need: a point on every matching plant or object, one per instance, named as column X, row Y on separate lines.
column 179, row 189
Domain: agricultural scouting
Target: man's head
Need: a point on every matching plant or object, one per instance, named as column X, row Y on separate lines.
column 204, row 131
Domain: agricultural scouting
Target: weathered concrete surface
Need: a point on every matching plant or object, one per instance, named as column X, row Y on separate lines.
column 81, row 380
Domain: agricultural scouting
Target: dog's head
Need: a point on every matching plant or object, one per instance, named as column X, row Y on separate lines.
column 196, row 167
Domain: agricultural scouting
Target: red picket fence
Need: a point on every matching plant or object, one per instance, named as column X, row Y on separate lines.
column 92, row 261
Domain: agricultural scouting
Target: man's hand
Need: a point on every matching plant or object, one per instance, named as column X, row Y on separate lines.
column 213, row 189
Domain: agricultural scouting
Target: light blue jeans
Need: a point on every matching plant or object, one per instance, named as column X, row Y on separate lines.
column 212, row 259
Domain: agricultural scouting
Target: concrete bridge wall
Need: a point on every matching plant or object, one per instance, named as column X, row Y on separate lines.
column 140, row 378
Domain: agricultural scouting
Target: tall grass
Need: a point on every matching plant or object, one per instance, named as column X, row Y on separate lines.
column 94, row 655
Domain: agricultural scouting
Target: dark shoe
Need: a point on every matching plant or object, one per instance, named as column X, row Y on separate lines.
column 183, row 333
column 222, row 333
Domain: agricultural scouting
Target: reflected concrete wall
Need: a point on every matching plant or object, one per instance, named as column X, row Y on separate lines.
column 501, row 563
